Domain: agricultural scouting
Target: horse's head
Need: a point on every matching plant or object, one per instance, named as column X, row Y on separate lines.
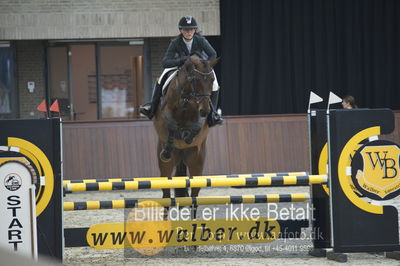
column 196, row 79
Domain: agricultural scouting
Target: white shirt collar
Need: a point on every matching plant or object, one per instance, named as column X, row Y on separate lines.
column 188, row 44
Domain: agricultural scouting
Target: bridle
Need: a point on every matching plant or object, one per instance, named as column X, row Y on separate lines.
column 194, row 94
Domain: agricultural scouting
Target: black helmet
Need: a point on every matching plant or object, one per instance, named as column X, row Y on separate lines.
column 187, row 22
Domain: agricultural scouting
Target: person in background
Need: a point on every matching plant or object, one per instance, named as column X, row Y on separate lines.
column 188, row 42
column 349, row 102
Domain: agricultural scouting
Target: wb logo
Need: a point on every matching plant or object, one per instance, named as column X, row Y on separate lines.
column 388, row 165
column 375, row 170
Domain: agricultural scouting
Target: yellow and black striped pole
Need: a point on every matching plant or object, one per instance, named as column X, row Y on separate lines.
column 185, row 201
column 199, row 183
column 94, row 180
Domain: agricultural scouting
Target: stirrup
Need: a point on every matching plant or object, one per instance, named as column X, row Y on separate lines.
column 219, row 120
column 146, row 110
column 214, row 119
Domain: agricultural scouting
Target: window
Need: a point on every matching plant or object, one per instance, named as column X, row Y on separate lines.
column 121, row 81
column 7, row 81
column 96, row 80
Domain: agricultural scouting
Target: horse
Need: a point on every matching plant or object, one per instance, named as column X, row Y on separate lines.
column 181, row 122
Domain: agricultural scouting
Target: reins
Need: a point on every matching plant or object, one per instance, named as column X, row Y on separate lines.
column 194, row 94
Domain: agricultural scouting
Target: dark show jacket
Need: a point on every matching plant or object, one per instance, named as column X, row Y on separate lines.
column 177, row 49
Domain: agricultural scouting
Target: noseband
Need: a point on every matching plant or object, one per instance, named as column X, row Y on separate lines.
column 194, row 94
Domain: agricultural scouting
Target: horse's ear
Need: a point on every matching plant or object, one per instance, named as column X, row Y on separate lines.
column 213, row 62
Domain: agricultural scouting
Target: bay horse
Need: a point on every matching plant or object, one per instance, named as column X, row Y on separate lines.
column 181, row 122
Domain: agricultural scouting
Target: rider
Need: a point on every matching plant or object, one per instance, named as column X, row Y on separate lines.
column 188, row 42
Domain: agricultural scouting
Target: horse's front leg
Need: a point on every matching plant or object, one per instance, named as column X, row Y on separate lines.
column 165, row 150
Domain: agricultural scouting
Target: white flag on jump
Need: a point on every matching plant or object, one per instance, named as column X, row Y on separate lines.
column 333, row 98
column 314, row 98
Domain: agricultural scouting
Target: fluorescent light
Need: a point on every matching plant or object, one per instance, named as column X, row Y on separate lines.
column 4, row 44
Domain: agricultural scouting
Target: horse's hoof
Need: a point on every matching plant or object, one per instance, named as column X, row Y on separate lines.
column 165, row 156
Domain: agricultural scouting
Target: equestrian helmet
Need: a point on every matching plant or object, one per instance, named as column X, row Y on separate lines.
column 187, row 22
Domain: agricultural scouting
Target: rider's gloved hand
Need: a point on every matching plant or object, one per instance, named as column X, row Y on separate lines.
column 183, row 60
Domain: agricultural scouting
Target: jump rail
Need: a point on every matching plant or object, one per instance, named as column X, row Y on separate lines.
column 303, row 180
column 94, row 180
column 185, row 201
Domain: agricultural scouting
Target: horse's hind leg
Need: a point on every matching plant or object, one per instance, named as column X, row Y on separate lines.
column 181, row 171
column 166, row 169
column 195, row 162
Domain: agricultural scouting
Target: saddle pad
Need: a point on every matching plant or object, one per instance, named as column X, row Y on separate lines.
column 173, row 74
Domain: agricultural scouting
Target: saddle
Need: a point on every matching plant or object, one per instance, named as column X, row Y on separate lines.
column 166, row 78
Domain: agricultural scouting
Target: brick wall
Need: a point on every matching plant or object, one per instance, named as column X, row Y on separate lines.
column 77, row 19
column 30, row 67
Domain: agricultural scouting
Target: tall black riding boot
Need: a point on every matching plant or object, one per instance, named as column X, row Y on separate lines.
column 213, row 117
column 149, row 109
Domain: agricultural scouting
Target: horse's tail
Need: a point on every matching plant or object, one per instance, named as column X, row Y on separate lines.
column 181, row 170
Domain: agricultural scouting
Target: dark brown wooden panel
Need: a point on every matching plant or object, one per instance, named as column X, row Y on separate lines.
column 268, row 144
column 395, row 135
column 125, row 149
column 248, row 144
